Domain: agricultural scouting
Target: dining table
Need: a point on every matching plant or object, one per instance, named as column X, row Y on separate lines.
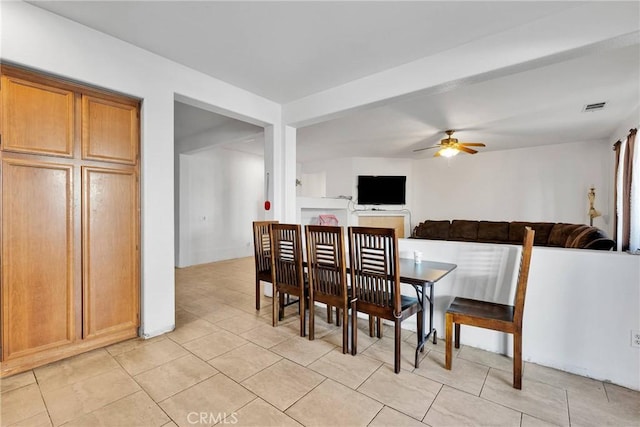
column 423, row 276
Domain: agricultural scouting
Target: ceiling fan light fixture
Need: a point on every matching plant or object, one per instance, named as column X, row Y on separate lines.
column 449, row 152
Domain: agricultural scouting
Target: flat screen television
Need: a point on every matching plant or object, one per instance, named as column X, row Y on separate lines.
column 381, row 190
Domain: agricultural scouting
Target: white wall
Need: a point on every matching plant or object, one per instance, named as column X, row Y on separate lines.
column 221, row 193
column 338, row 174
column 41, row 40
column 548, row 183
column 341, row 177
column 581, row 305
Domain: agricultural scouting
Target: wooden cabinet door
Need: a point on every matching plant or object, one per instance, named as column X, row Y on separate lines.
column 396, row 222
column 36, row 118
column 110, row 250
column 109, row 130
column 70, row 218
column 37, row 257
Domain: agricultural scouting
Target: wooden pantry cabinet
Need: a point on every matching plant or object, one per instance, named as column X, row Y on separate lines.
column 70, row 226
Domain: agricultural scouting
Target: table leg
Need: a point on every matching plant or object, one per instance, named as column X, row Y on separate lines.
column 431, row 328
column 426, row 300
column 424, row 337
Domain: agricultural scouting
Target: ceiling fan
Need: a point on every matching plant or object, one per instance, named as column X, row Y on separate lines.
column 450, row 147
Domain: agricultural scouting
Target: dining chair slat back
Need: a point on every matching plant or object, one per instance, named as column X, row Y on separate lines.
column 375, row 283
column 287, row 274
column 262, row 254
column 327, row 273
column 374, row 267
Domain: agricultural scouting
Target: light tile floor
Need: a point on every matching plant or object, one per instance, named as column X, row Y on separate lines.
column 225, row 364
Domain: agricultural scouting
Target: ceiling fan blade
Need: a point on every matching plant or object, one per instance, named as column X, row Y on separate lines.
column 465, row 149
column 425, row 148
column 472, row 144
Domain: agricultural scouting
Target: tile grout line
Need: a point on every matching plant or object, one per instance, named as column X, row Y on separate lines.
column 302, row 397
column 376, row 415
column 158, row 403
column 145, row 391
column 46, row 407
column 486, row 376
column 606, row 393
column 566, row 396
column 499, row 403
column 376, row 400
column 256, row 373
column 432, row 402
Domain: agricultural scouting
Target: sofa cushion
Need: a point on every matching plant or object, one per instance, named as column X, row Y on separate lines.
column 516, row 232
column 463, row 230
column 559, row 234
column 493, row 231
column 435, row 230
column 542, row 229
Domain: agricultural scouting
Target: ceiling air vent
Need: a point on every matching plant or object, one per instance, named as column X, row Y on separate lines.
column 594, row 107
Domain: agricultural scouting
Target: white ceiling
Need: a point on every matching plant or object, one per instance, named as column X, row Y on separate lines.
column 531, row 108
column 285, row 51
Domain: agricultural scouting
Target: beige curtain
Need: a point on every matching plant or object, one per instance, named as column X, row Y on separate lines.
column 625, row 192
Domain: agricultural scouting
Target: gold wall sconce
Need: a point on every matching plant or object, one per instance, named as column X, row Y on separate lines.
column 593, row 213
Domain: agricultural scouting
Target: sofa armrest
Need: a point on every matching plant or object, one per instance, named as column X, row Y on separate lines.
column 585, row 237
column 560, row 233
column 434, row 230
column 601, row 244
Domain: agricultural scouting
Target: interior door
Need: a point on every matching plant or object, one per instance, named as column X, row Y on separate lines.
column 37, row 256
column 110, row 256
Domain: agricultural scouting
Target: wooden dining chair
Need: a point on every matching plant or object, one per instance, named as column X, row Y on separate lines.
column 489, row 315
column 375, row 283
column 287, row 274
column 262, row 254
column 327, row 271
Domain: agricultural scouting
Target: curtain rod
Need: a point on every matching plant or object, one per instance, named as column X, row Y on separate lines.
column 631, row 132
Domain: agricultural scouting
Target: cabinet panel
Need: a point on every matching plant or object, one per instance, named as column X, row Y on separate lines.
column 396, row 222
column 109, row 130
column 36, row 118
column 37, row 257
column 110, row 250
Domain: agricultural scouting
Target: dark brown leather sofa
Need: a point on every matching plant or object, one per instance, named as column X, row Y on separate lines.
column 547, row 233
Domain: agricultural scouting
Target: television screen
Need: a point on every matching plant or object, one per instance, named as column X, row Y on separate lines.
column 381, row 190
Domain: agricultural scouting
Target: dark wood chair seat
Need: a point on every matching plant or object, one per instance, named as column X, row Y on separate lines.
column 482, row 309
column 409, row 305
column 264, row 276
